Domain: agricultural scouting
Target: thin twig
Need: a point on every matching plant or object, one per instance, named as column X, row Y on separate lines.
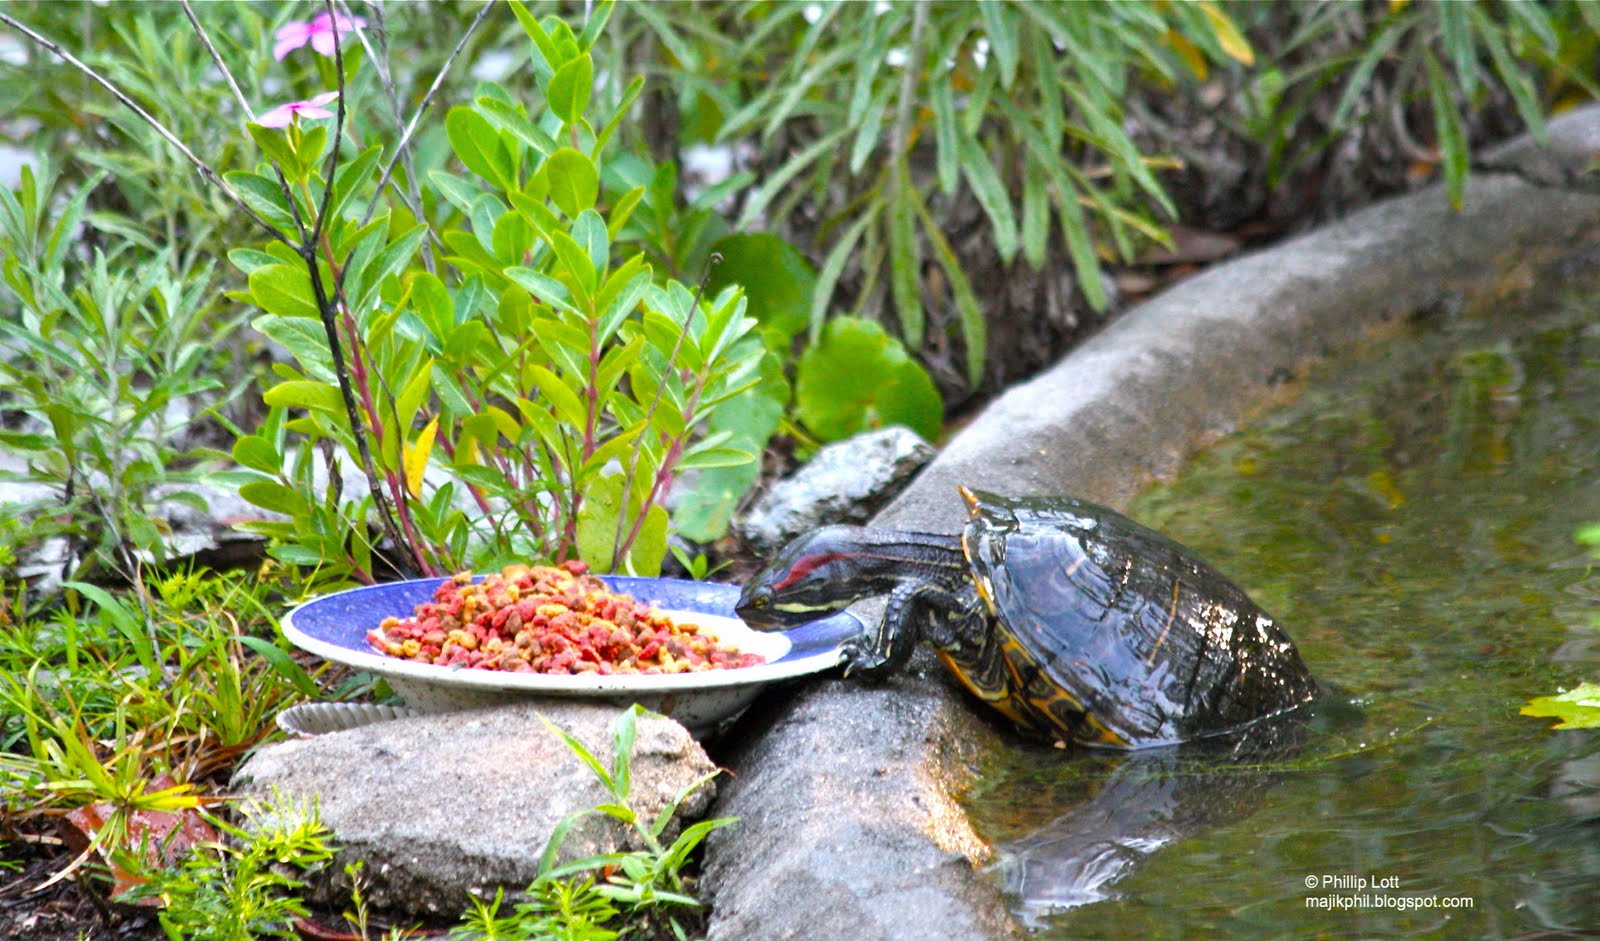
column 330, row 315
column 405, row 138
column 205, row 169
column 205, row 40
column 412, row 196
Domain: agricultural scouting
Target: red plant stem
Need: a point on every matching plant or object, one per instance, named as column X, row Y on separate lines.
column 664, row 475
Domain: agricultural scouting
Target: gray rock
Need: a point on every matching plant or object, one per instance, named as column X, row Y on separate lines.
column 846, row 482
column 444, row 806
column 850, row 845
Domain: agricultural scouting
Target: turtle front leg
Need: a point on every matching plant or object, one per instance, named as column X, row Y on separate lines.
column 916, row 610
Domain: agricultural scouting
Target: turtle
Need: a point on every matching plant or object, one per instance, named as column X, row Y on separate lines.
column 1067, row 617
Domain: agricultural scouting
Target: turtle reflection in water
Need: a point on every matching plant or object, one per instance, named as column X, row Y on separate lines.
column 1069, row 618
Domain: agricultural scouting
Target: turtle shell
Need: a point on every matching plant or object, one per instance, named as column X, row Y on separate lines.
column 1113, row 634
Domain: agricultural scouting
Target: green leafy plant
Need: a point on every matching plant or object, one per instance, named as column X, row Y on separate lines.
column 241, row 889
column 891, row 115
column 644, row 888
column 1405, row 76
column 100, row 706
column 555, row 391
column 103, row 362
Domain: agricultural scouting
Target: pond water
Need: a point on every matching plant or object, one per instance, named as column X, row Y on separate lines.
column 1409, row 517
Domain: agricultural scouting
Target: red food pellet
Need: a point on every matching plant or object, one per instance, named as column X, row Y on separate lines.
column 549, row 619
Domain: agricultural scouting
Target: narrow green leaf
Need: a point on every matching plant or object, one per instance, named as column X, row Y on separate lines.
column 1001, row 30
column 985, row 182
column 1456, row 34
column 1447, row 125
column 1035, row 216
column 832, row 267
column 905, row 266
column 974, row 329
column 945, row 129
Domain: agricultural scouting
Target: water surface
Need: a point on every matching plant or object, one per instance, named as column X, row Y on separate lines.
column 1409, row 518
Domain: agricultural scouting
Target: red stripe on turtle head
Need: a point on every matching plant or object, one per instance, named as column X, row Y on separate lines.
column 806, row 565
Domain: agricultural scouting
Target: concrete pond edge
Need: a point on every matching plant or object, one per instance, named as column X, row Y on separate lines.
column 847, row 795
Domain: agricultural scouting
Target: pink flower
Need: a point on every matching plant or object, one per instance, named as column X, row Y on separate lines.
column 311, row 109
column 319, row 32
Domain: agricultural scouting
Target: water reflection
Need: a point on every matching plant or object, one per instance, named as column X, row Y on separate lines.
column 1410, row 521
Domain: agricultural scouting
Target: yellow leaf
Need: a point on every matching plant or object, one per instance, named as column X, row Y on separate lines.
column 1228, row 35
column 1189, row 53
column 416, row 457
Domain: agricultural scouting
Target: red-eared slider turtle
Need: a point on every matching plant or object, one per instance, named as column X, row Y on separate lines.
column 1069, row 618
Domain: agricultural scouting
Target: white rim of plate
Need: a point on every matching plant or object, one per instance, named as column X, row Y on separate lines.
column 586, row 684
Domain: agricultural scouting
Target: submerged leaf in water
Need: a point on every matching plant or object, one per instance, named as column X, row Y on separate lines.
column 1577, row 708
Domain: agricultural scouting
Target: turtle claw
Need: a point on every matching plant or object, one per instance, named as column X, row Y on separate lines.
column 861, row 662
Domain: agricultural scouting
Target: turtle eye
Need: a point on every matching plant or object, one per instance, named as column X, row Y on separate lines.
column 762, row 599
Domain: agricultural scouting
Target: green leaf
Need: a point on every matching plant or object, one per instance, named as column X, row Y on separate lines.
column 945, row 129
column 477, row 144
column 265, row 197
column 1035, row 216
column 597, row 529
column 832, row 268
column 569, row 89
column 574, row 182
column 305, row 339
column 1456, row 32
column 274, row 144
column 258, row 453
column 704, row 503
column 564, row 401
column 284, row 290
column 511, row 118
column 905, row 267
column 1577, row 708
column 271, row 495
column 1002, row 39
column 857, row 378
column 1447, row 125
column 458, row 190
column 974, row 329
column 580, row 270
column 303, row 393
column 778, row 283
column 985, row 182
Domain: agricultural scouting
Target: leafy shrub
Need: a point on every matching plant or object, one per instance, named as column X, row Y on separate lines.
column 917, row 150
column 104, row 361
column 557, row 390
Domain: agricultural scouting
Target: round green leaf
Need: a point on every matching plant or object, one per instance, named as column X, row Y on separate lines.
column 858, row 377
column 778, row 283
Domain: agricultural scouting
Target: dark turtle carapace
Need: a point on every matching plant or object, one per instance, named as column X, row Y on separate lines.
column 1068, row 617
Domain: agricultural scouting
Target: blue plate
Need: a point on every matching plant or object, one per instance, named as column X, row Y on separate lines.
column 335, row 628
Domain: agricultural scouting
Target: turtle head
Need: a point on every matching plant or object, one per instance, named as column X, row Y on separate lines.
column 820, row 573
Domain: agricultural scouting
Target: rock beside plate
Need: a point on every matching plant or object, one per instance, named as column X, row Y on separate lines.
column 444, row 806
